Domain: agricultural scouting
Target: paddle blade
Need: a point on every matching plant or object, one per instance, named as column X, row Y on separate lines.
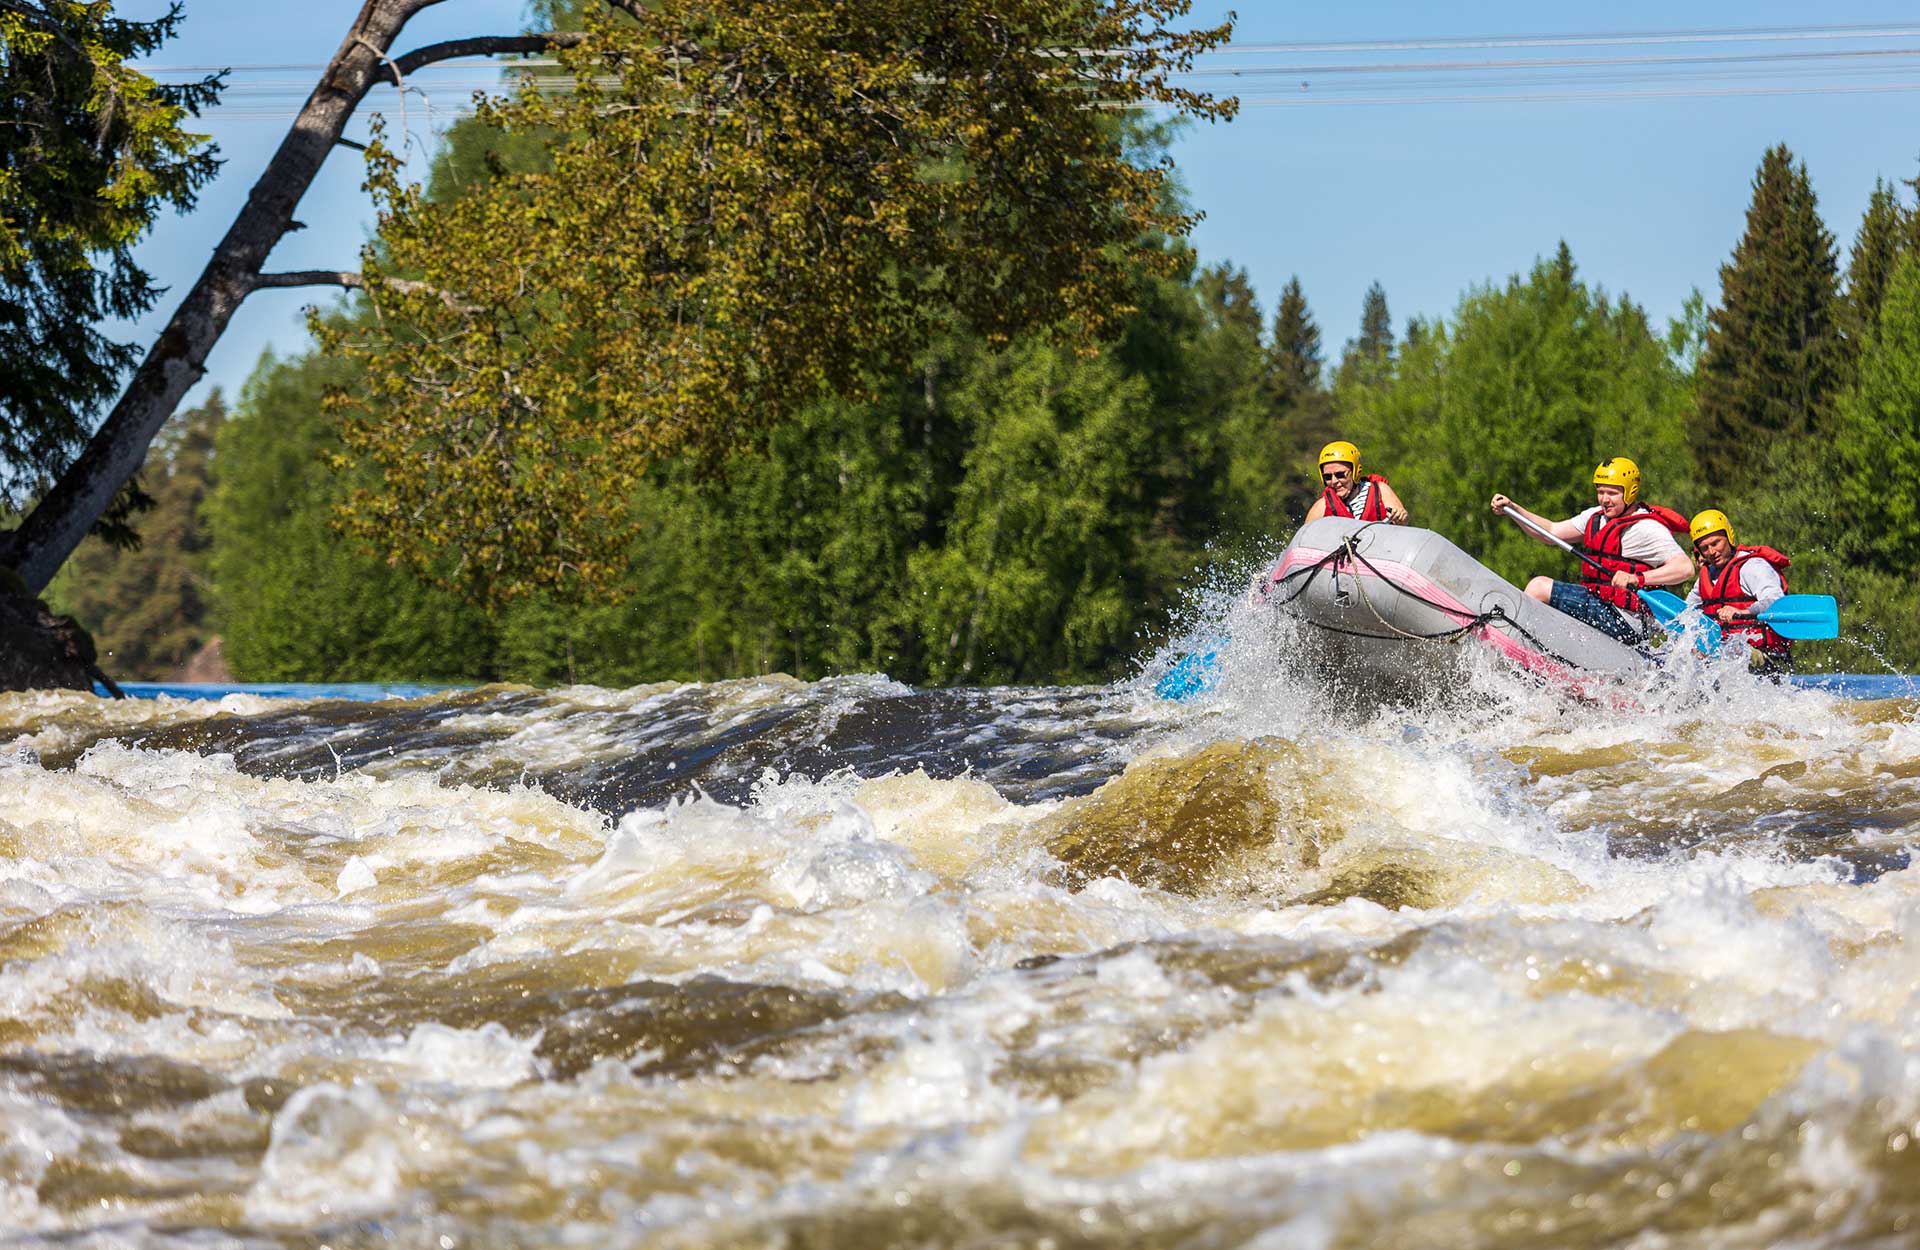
column 1803, row 616
column 1193, row 675
column 1664, row 604
column 1693, row 623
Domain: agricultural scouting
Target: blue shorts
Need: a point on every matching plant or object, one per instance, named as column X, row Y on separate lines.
column 1590, row 609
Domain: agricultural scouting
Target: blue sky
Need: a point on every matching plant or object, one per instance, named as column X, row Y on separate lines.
column 1427, row 197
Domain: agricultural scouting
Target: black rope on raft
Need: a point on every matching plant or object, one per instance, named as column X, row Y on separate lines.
column 1349, row 549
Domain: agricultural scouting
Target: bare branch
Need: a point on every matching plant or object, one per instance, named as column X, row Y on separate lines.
column 358, row 282
column 481, row 45
column 310, row 277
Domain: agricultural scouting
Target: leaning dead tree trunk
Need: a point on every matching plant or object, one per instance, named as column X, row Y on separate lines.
column 178, row 358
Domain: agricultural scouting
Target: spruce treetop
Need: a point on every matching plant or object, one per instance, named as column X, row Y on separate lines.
column 1876, row 245
column 1294, row 357
column 1774, row 352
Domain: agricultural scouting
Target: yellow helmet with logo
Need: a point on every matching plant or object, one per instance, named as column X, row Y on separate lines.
column 1339, row 452
column 1620, row 472
column 1712, row 521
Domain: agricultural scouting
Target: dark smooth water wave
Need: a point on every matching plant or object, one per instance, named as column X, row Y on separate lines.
column 646, row 748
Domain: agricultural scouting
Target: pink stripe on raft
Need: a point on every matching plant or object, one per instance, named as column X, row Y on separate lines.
column 1527, row 657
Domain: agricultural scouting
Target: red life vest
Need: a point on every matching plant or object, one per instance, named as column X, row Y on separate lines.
column 1603, row 541
column 1375, row 509
column 1722, row 590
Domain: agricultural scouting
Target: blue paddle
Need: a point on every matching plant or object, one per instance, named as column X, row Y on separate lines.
column 1802, row 616
column 1194, row 674
column 1790, row 616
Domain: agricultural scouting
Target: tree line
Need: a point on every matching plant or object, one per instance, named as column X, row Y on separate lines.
column 1029, row 512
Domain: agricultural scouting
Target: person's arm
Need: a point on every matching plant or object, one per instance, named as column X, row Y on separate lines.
column 1396, row 511
column 1664, row 563
column 1318, row 510
column 1762, row 581
column 1693, row 596
column 1567, row 531
column 1678, row 568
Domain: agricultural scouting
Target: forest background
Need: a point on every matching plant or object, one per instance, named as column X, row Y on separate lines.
column 1027, row 513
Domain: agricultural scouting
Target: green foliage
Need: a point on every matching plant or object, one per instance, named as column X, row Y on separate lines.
column 1523, row 391
column 148, row 607
column 91, row 151
column 1876, row 435
column 296, row 603
column 1024, row 514
column 1875, row 248
column 1026, row 511
column 1371, row 354
column 1032, row 578
column 1775, row 353
column 742, row 206
column 1844, row 502
column 1852, row 500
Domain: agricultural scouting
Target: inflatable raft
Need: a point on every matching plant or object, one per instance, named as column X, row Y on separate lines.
column 1394, row 605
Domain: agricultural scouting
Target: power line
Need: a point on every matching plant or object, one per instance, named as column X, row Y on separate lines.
column 1737, row 34
column 1307, row 98
column 1390, row 67
column 1760, row 71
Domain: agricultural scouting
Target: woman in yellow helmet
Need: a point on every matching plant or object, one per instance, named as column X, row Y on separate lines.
column 1629, row 543
column 1348, row 494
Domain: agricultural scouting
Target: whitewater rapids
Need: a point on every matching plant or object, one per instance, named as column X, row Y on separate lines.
column 844, row 964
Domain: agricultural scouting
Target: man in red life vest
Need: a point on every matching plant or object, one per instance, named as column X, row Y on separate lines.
column 1350, row 495
column 1735, row 582
column 1630, row 544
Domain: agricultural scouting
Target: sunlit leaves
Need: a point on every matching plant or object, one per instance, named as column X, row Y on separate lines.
column 751, row 205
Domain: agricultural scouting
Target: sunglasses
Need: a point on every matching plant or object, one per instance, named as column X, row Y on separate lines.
column 1341, row 476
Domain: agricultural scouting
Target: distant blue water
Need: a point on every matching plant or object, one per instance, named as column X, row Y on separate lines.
column 361, row 691
column 1865, row 685
column 1850, row 685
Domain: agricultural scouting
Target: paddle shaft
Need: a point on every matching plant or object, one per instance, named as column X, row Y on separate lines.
column 1513, row 514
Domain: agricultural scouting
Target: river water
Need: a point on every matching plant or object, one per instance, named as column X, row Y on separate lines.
column 847, row 964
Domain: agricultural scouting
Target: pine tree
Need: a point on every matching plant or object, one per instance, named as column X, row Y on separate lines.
column 1376, row 325
column 1298, row 416
column 1563, row 267
column 1227, row 294
column 1367, row 356
column 1293, row 360
column 1774, row 353
column 91, row 154
column 1875, row 248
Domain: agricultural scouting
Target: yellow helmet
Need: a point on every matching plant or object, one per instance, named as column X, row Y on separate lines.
column 1620, row 472
column 1339, row 452
column 1712, row 521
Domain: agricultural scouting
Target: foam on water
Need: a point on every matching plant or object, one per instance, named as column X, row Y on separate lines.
column 1270, row 968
